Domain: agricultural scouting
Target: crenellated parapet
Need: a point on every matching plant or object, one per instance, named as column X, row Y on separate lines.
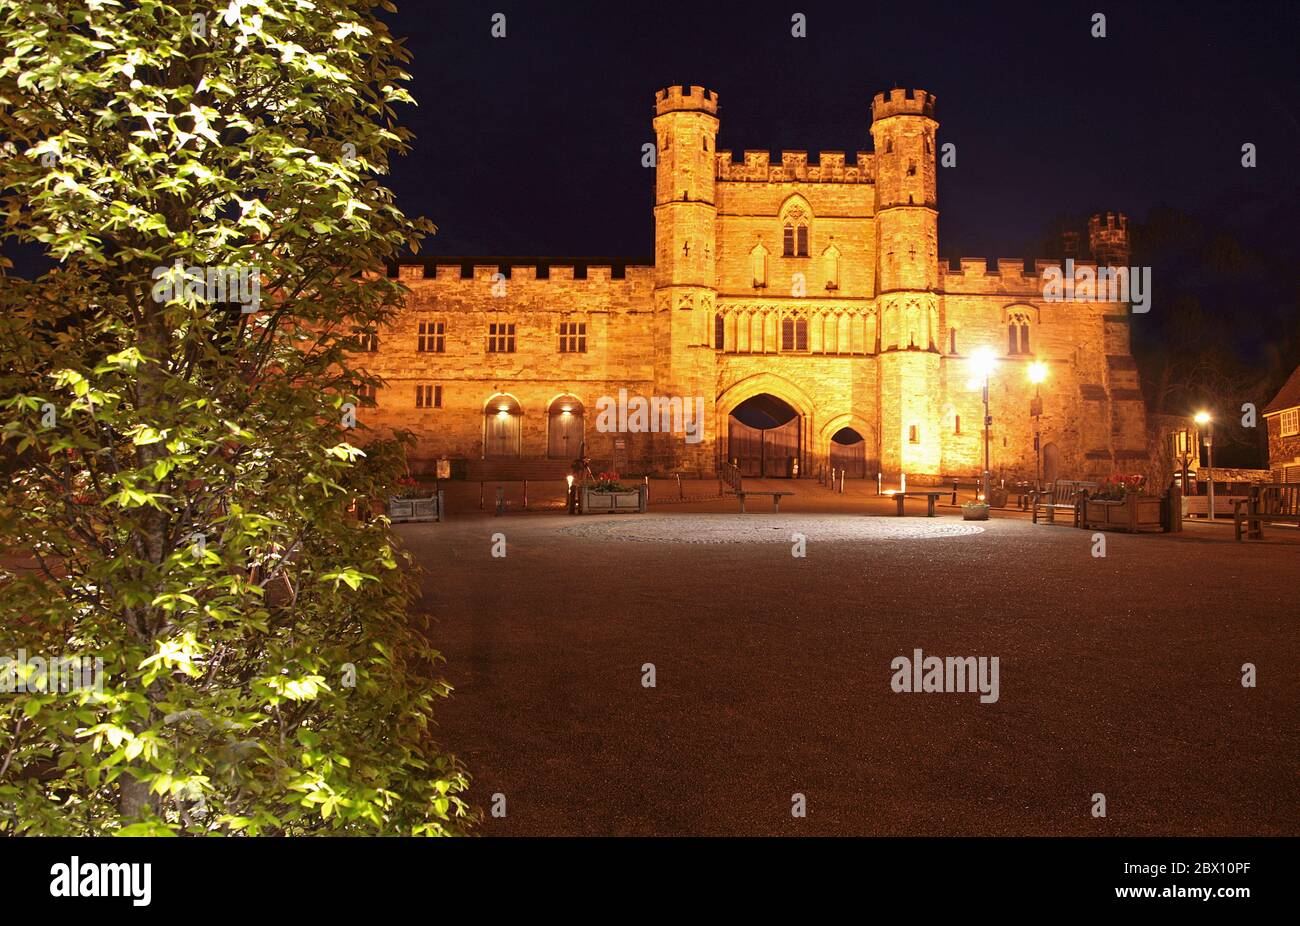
column 757, row 167
column 685, row 99
column 595, row 274
column 1007, row 275
column 902, row 103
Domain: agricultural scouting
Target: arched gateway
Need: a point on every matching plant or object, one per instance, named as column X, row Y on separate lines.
column 764, row 435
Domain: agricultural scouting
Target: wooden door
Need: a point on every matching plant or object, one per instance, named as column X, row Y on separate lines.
column 503, row 436
column 566, row 436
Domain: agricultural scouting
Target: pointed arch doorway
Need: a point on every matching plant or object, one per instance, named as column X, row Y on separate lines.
column 764, row 435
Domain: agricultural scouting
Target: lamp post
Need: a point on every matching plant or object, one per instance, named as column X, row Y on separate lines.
column 982, row 362
column 1205, row 421
column 1037, row 373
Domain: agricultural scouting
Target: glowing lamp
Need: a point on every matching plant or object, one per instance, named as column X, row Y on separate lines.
column 1037, row 372
column 982, row 361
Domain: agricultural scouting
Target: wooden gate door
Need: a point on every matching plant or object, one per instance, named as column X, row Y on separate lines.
column 745, row 447
column 779, row 445
column 851, row 459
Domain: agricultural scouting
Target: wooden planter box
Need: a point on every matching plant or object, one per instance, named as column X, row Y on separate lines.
column 1135, row 513
column 626, row 500
column 415, row 509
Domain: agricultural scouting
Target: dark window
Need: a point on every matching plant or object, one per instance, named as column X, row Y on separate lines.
column 427, row 396
column 956, row 427
column 802, row 231
column 501, row 338
column 432, row 338
column 794, row 334
column 1012, row 343
column 573, row 337
column 368, row 395
column 911, row 168
column 1024, row 339
column 787, row 242
column 952, row 335
column 913, row 434
column 719, row 331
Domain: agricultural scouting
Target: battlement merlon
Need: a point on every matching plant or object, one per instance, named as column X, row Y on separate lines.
column 831, row 166
column 688, row 99
column 902, row 103
column 1113, row 221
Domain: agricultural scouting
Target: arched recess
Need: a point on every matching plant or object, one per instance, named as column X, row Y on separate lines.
column 503, row 420
column 564, row 428
column 866, row 429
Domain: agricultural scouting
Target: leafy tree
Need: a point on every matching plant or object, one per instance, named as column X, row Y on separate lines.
column 180, row 472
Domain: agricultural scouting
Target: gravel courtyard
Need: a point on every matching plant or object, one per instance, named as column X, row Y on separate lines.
column 1118, row 675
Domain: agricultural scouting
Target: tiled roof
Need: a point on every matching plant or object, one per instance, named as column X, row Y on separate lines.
column 1288, row 396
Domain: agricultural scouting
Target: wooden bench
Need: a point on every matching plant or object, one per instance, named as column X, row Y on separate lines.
column 1063, row 495
column 1278, row 503
column 931, row 498
column 776, row 498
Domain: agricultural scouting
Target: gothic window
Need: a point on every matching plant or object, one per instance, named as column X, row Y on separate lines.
column 719, row 331
column 795, row 219
column 706, row 143
column 794, row 334
column 367, row 342
column 913, row 434
column 911, row 168
column 1018, row 333
column 956, row 424
column 889, row 146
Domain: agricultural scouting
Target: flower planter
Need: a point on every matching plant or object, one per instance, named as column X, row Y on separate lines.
column 415, row 509
column 975, row 512
column 1134, row 513
column 622, row 500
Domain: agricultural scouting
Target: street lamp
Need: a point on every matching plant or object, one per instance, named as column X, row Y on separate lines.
column 1205, row 421
column 982, row 362
column 1037, row 373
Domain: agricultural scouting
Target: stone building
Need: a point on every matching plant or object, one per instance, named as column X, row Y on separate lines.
column 801, row 304
column 1282, row 418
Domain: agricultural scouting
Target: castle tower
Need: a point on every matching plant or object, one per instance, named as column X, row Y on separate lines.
column 686, row 131
column 907, row 220
column 1108, row 239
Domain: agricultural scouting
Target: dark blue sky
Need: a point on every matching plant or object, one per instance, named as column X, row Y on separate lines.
column 531, row 144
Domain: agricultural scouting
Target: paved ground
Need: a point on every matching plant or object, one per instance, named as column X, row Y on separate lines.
column 1118, row 675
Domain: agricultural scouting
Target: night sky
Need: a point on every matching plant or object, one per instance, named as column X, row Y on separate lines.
column 531, row 144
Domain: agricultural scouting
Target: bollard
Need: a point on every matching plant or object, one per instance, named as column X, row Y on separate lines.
column 954, row 491
column 681, row 495
column 880, row 483
column 525, row 495
column 480, row 496
column 501, row 501
column 438, row 495
column 902, row 486
column 843, row 473
column 645, row 481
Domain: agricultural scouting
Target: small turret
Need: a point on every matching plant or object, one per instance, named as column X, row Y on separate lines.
column 1108, row 239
